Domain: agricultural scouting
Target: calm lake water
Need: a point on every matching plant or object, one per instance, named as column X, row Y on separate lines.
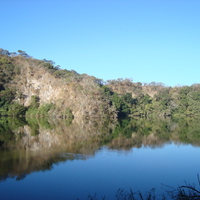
column 70, row 160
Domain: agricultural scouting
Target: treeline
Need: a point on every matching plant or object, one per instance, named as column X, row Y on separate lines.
column 154, row 99
column 11, row 67
column 121, row 96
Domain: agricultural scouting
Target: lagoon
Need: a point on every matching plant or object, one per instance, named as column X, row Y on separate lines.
column 59, row 160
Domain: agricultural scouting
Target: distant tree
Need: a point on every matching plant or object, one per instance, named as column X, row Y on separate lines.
column 74, row 72
column 100, row 82
column 49, row 61
column 139, row 84
column 4, row 52
column 128, row 81
column 57, row 67
column 23, row 53
column 13, row 54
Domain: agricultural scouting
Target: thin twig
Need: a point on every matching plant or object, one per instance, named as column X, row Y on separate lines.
column 188, row 187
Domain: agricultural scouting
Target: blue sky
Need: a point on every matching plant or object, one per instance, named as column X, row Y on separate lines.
column 146, row 40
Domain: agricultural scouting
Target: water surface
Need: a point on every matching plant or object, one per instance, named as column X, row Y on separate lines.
column 57, row 160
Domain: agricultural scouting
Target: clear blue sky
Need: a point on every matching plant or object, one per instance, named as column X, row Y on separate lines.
column 147, row 40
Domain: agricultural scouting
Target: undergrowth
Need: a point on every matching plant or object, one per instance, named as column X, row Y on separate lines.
column 184, row 192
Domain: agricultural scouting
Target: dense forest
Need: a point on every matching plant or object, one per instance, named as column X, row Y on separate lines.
column 21, row 93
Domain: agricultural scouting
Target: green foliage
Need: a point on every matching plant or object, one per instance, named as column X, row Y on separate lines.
column 188, row 130
column 121, row 105
column 36, row 110
column 123, row 128
column 142, row 105
column 117, row 101
column 16, row 109
column 164, row 101
column 8, row 106
column 23, row 54
column 7, row 70
column 37, row 123
column 4, row 60
column 68, row 114
column 34, row 102
column 183, row 100
column 33, row 123
column 6, row 97
column 44, row 109
column 107, row 91
column 7, row 127
column 164, row 97
column 128, row 98
column 193, row 99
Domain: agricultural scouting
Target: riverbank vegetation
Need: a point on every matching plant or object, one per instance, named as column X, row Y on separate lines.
column 185, row 192
column 85, row 95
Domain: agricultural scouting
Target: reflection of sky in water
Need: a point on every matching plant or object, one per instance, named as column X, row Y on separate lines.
column 139, row 169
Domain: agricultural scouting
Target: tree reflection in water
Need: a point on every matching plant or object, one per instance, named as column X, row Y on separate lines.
column 36, row 145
